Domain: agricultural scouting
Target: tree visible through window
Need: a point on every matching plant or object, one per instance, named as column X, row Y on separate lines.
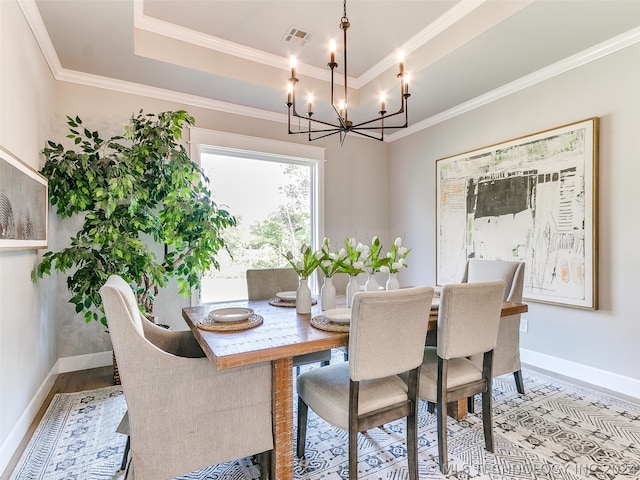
column 272, row 201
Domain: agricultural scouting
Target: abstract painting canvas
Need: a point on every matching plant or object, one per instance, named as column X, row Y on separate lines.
column 23, row 205
column 531, row 199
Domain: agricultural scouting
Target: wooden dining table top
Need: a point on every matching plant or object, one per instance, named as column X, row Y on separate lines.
column 283, row 333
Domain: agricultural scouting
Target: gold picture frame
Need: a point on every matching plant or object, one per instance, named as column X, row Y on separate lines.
column 532, row 199
column 24, row 205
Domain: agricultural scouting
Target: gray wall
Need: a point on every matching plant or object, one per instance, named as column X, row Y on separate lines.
column 28, row 347
column 572, row 341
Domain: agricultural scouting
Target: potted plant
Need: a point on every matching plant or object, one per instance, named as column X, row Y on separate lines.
column 146, row 209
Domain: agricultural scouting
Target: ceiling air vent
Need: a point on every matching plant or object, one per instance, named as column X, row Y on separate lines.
column 296, row 36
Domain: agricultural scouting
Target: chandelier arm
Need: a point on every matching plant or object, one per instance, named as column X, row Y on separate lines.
column 367, row 122
column 333, row 125
column 363, row 134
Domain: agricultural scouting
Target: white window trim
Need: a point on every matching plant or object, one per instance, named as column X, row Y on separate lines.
column 201, row 139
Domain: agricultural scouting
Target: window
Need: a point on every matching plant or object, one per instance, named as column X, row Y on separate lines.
column 273, row 192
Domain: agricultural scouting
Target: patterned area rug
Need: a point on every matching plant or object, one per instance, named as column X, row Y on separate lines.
column 555, row 431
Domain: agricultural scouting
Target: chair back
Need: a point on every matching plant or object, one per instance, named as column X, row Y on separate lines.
column 488, row 270
column 264, row 283
column 120, row 302
column 468, row 318
column 388, row 332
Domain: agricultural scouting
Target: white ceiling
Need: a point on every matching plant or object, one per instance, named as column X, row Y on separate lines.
column 230, row 55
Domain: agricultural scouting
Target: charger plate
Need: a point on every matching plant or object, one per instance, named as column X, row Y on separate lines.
column 276, row 302
column 209, row 324
column 323, row 323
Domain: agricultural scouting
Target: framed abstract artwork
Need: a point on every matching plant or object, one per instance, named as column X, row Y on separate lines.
column 24, row 205
column 532, row 199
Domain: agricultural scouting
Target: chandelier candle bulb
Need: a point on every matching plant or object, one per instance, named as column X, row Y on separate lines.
column 401, row 61
column 332, row 50
column 310, row 103
column 292, row 63
column 383, row 97
column 289, row 92
column 407, row 77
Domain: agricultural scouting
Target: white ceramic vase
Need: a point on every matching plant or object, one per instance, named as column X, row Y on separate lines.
column 352, row 288
column 303, row 297
column 328, row 294
column 392, row 282
column 372, row 283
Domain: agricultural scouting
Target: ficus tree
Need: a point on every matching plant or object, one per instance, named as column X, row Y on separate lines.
column 146, row 210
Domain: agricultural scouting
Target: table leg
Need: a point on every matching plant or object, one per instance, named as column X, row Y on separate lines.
column 282, row 464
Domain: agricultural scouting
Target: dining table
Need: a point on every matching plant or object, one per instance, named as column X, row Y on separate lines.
column 281, row 334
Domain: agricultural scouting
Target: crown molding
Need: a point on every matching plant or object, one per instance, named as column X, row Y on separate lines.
column 36, row 24
column 34, row 19
column 187, row 35
column 603, row 49
column 449, row 18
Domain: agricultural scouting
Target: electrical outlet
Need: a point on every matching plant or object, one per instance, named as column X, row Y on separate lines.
column 524, row 325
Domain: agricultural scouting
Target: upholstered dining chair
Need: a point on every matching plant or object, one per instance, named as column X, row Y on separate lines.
column 506, row 357
column 386, row 339
column 468, row 318
column 263, row 284
column 182, row 413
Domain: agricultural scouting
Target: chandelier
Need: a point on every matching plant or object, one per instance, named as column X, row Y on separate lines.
column 317, row 129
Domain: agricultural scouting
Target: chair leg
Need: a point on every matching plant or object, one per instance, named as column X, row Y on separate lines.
column 412, row 426
column 441, row 415
column 125, row 455
column 303, row 410
column 471, row 404
column 487, row 414
column 519, row 382
column 265, row 464
column 354, row 396
column 442, row 436
column 431, row 407
column 487, row 420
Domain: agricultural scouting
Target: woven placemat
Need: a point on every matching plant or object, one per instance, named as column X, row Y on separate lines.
column 276, row 302
column 210, row 324
column 323, row 323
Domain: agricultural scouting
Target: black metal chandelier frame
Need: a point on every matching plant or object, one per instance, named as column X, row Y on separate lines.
column 314, row 128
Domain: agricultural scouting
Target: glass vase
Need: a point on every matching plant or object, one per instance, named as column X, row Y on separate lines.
column 352, row 288
column 303, row 297
column 328, row 294
column 372, row 283
column 392, row 282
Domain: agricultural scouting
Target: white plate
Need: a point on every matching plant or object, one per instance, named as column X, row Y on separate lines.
column 230, row 315
column 338, row 315
column 287, row 296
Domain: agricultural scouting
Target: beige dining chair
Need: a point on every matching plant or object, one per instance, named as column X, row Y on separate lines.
column 387, row 335
column 506, row 357
column 263, row 284
column 182, row 413
column 468, row 319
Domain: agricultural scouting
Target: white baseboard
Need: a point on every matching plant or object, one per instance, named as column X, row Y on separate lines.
column 84, row 362
column 19, row 430
column 584, row 373
column 63, row 365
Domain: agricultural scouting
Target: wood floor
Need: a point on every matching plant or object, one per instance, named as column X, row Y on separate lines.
column 65, row 383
